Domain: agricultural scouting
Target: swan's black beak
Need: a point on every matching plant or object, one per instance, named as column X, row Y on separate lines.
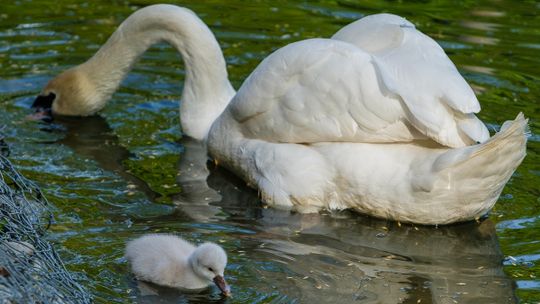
column 43, row 107
column 222, row 285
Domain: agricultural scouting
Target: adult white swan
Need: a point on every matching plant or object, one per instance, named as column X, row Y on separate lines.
column 377, row 119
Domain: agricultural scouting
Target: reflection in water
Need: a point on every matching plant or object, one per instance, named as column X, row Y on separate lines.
column 193, row 171
column 477, row 25
column 487, row 13
column 91, row 137
column 320, row 258
column 148, row 293
column 478, row 39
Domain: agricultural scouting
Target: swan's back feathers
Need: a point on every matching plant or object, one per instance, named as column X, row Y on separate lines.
column 415, row 68
column 375, row 33
column 318, row 90
column 396, row 89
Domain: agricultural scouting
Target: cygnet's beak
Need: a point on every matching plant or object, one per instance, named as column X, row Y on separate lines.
column 43, row 107
column 222, row 285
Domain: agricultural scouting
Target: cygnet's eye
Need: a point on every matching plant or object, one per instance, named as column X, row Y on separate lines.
column 211, row 269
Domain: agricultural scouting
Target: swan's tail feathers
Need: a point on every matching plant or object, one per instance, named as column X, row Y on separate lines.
column 504, row 150
column 476, row 175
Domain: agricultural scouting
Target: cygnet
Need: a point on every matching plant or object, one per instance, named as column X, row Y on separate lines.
column 169, row 260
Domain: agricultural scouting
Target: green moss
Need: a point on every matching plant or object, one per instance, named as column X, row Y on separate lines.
column 158, row 172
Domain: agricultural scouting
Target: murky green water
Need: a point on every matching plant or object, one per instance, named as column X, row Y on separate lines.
column 114, row 177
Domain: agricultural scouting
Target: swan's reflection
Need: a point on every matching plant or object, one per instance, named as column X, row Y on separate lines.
column 196, row 196
column 321, row 258
column 91, row 137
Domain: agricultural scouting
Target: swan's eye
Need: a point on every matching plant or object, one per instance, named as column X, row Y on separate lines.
column 210, row 268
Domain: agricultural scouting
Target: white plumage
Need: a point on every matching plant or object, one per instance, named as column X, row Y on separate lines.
column 408, row 60
column 171, row 261
column 376, row 119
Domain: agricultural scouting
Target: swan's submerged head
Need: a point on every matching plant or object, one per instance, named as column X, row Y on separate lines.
column 208, row 262
column 70, row 93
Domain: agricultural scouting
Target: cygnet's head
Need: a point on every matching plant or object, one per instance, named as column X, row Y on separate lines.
column 70, row 93
column 208, row 262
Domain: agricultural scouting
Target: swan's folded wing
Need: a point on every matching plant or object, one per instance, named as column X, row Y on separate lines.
column 415, row 68
column 319, row 90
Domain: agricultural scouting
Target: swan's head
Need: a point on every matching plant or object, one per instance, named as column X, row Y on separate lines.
column 208, row 262
column 70, row 93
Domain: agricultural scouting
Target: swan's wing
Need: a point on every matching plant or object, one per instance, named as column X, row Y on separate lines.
column 323, row 90
column 319, row 90
column 415, row 68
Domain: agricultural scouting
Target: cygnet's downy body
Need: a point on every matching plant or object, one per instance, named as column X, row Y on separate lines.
column 171, row 261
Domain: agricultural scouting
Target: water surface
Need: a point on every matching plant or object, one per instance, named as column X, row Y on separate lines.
column 115, row 176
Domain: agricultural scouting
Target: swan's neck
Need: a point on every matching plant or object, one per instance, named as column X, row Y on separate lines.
column 207, row 89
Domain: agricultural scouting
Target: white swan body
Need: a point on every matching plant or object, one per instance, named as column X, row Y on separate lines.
column 171, row 261
column 415, row 182
column 380, row 123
